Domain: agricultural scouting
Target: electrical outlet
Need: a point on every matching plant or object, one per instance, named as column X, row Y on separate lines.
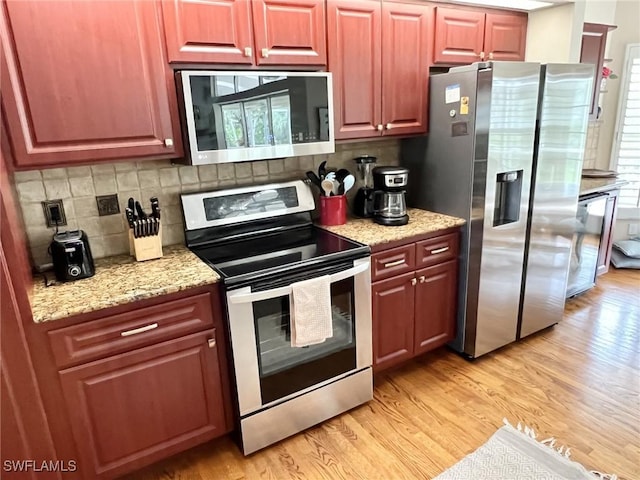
column 634, row 229
column 107, row 204
column 54, row 213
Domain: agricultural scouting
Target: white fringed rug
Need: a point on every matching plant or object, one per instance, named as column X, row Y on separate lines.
column 515, row 454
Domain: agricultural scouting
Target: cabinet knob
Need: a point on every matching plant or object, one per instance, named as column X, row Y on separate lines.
column 168, row 142
column 247, row 51
column 388, row 126
column 422, row 279
column 491, row 56
column 211, row 342
column 265, row 53
column 414, row 281
column 481, row 55
column 380, row 127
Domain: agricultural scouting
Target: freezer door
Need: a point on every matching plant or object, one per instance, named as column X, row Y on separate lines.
column 502, row 181
column 562, row 134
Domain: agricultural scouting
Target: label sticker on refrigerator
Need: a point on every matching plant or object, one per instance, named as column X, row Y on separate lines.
column 452, row 93
column 464, row 106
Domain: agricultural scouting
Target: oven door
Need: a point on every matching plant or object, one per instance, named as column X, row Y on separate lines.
column 268, row 369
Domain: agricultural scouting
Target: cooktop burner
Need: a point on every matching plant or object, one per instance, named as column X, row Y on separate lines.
column 253, row 258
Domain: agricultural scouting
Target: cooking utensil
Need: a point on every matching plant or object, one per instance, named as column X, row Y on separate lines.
column 335, row 190
column 322, row 170
column 348, row 183
column 314, row 179
column 330, row 175
column 327, row 187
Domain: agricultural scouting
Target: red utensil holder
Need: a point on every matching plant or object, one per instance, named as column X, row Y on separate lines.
column 333, row 210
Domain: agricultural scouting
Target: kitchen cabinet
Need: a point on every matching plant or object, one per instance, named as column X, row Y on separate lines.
column 606, row 239
column 465, row 36
column 414, row 298
column 594, row 41
column 260, row 32
column 86, row 81
column 136, row 383
column 379, row 55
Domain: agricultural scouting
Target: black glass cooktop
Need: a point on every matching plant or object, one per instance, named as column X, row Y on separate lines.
column 277, row 253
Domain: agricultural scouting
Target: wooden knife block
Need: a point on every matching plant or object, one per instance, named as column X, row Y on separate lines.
column 146, row 248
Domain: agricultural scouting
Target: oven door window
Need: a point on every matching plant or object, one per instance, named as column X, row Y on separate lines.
column 285, row 369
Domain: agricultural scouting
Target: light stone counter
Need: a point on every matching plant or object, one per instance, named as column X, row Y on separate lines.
column 119, row 280
column 421, row 222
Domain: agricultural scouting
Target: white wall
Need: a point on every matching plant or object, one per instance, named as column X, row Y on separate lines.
column 552, row 34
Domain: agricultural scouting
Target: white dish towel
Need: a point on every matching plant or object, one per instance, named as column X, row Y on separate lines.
column 310, row 308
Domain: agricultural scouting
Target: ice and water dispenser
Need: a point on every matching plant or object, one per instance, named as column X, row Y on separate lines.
column 508, row 198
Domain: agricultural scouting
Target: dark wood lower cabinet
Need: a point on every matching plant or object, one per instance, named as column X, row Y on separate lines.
column 414, row 312
column 392, row 308
column 435, row 306
column 134, row 408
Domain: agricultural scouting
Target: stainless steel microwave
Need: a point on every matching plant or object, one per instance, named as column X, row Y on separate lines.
column 232, row 116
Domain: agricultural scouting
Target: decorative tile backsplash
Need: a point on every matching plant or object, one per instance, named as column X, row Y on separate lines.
column 79, row 186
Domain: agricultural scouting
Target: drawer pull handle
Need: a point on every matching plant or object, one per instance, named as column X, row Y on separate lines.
column 394, row 264
column 414, row 281
column 439, row 250
column 422, row 279
column 211, row 342
column 135, row 331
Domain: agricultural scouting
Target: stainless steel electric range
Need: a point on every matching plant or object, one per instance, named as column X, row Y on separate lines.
column 261, row 240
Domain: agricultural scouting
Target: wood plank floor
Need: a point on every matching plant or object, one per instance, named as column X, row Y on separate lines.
column 578, row 381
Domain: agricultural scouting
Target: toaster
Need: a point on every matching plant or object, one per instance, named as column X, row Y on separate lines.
column 71, row 254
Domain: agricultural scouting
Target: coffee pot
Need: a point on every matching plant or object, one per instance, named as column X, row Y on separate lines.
column 389, row 204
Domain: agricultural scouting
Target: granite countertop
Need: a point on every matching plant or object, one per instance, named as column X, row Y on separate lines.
column 593, row 185
column 421, row 222
column 119, row 280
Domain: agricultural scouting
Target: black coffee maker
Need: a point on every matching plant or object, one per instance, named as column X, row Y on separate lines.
column 71, row 254
column 363, row 201
column 390, row 207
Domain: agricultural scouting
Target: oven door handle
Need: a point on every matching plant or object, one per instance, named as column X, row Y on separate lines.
column 282, row 291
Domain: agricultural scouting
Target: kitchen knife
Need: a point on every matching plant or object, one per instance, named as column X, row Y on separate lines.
column 155, row 207
column 131, row 205
column 140, row 211
column 130, row 216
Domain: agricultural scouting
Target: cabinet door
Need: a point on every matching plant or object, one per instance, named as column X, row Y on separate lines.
column 353, row 33
column 594, row 40
column 459, row 36
column 505, row 36
column 406, row 30
column 606, row 242
column 393, row 310
column 289, row 32
column 84, row 81
column 132, row 409
column 436, row 299
column 208, row 31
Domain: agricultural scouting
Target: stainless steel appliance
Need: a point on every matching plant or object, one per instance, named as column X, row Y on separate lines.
column 363, row 201
column 586, row 243
column 389, row 205
column 261, row 240
column 504, row 152
column 239, row 116
column 71, row 255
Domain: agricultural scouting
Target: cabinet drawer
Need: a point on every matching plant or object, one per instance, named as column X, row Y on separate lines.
column 135, row 328
column 394, row 261
column 437, row 250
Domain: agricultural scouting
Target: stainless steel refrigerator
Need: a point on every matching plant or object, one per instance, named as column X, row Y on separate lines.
column 504, row 151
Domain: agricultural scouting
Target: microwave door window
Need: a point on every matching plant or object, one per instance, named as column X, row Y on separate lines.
column 257, row 120
column 281, row 119
column 234, row 133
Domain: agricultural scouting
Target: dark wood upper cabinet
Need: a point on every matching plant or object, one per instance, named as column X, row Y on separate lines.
column 242, row 32
column 85, row 81
column 406, row 33
column 594, row 41
column 393, row 313
column 505, row 36
column 436, row 299
column 208, row 31
column 465, row 36
column 459, row 35
column 354, row 39
column 377, row 54
column 289, row 32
